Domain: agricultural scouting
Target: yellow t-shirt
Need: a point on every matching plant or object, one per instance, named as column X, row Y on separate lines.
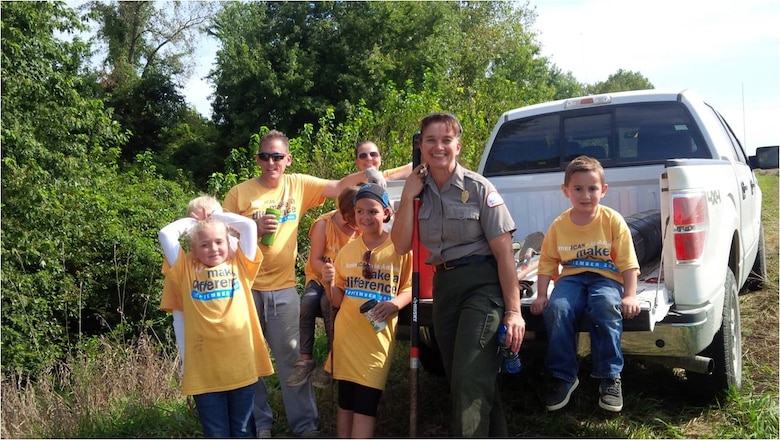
column 335, row 239
column 170, row 299
column 224, row 342
column 296, row 195
column 360, row 354
column 603, row 246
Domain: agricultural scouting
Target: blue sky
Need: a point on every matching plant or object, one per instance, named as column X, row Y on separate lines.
column 726, row 51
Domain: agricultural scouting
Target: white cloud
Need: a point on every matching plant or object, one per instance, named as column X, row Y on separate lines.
column 197, row 90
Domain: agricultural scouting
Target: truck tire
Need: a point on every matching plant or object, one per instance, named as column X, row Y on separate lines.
column 645, row 229
column 725, row 349
column 757, row 275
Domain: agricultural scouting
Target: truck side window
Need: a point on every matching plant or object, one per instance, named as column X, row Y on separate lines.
column 736, row 146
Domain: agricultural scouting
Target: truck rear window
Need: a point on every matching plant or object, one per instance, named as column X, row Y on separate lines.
column 616, row 135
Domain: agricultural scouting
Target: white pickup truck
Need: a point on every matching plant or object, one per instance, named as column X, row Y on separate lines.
column 679, row 175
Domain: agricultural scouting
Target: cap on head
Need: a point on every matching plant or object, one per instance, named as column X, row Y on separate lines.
column 373, row 191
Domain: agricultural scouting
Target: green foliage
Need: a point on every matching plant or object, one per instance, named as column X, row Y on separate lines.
column 146, row 106
column 147, row 51
column 139, row 36
column 285, row 65
column 79, row 240
column 620, row 81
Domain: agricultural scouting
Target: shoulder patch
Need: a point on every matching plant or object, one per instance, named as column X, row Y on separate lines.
column 493, row 199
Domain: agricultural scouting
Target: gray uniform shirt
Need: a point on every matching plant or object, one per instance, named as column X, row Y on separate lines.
column 461, row 218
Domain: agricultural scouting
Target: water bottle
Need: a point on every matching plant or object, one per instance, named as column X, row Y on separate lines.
column 512, row 362
column 367, row 309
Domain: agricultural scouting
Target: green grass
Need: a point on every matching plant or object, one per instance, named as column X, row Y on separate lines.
column 119, row 391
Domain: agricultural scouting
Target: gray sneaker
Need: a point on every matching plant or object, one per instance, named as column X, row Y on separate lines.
column 559, row 394
column 321, row 378
column 301, row 372
column 611, row 395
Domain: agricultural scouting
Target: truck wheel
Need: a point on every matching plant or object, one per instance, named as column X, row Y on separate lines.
column 726, row 347
column 430, row 356
column 757, row 275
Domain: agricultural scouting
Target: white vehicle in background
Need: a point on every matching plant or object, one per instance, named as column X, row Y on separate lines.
column 681, row 178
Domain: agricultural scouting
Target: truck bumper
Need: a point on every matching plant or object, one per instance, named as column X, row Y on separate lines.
column 681, row 333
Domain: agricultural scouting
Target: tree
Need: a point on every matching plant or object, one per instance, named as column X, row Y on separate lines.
column 78, row 250
column 620, row 81
column 283, row 65
column 148, row 53
column 138, row 36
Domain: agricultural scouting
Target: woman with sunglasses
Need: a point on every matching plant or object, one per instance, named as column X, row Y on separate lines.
column 465, row 225
column 367, row 156
column 366, row 269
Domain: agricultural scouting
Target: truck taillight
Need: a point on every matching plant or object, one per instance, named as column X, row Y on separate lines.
column 689, row 214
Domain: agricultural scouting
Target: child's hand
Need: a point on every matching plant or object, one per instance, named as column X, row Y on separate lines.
column 384, row 310
column 328, row 272
column 200, row 214
column 629, row 307
column 539, row 304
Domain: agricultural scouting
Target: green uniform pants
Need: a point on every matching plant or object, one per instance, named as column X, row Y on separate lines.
column 467, row 311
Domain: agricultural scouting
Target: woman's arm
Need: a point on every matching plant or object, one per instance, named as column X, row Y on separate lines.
column 335, row 294
column 507, row 276
column 400, row 173
column 317, row 246
column 403, row 225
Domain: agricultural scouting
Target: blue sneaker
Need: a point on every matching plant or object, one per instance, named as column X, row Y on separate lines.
column 559, row 394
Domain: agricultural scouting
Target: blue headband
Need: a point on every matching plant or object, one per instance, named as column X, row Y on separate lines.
column 373, row 191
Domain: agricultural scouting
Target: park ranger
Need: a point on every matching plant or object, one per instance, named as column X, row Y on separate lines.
column 467, row 228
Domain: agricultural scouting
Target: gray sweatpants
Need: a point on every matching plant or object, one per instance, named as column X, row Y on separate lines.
column 279, row 312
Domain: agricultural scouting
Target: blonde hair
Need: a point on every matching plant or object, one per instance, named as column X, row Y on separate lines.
column 209, row 223
column 206, row 202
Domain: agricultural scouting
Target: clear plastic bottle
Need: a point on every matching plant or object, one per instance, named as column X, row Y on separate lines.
column 512, row 362
column 367, row 309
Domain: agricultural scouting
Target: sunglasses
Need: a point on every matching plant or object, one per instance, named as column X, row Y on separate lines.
column 265, row 157
column 364, row 155
column 367, row 274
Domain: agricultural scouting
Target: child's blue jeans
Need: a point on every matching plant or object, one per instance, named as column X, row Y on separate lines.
column 227, row 413
column 599, row 298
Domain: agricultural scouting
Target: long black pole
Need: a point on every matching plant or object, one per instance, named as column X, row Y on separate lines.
column 414, row 355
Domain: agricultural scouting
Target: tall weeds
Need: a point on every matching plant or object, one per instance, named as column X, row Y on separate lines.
column 76, row 396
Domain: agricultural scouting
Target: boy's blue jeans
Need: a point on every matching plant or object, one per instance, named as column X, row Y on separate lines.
column 599, row 298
